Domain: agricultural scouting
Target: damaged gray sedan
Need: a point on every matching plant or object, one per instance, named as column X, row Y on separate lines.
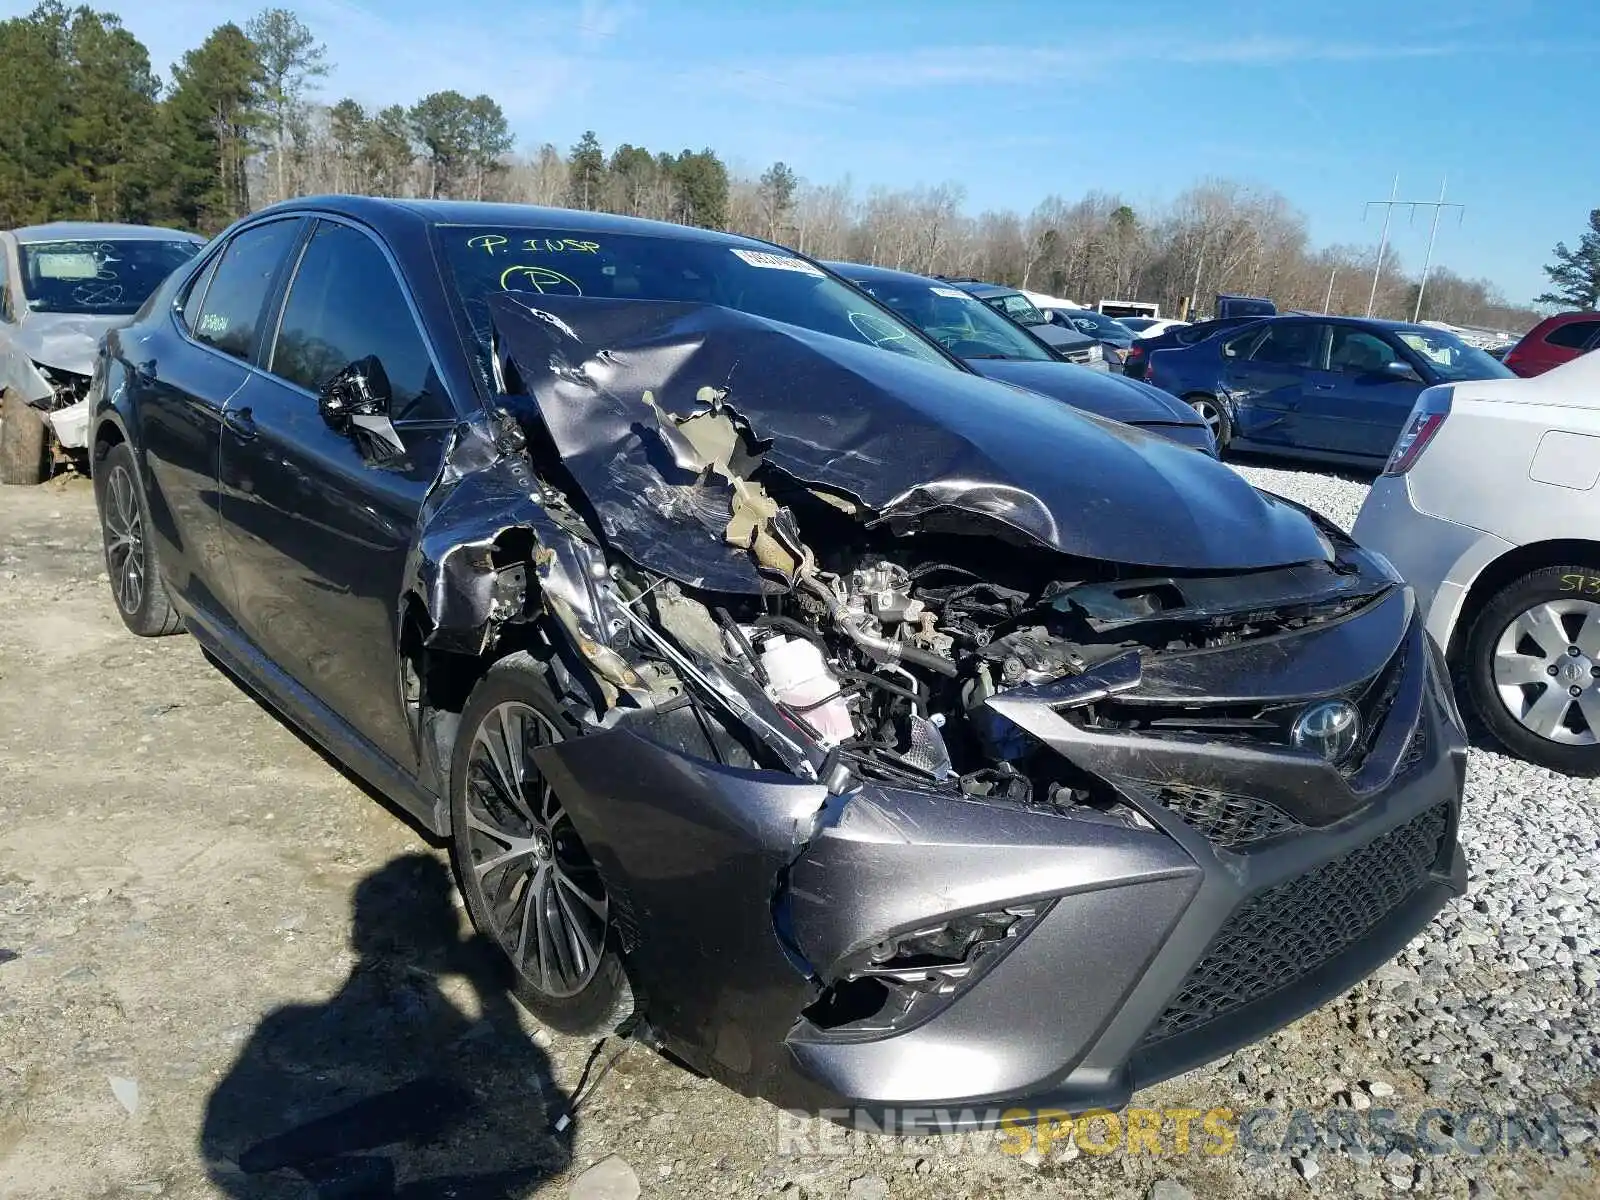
column 62, row 287
column 860, row 731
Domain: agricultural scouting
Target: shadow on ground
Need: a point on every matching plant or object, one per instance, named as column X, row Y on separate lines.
column 389, row 1089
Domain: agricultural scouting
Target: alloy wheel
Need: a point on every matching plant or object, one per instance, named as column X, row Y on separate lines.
column 1211, row 414
column 125, row 561
column 1547, row 670
column 543, row 896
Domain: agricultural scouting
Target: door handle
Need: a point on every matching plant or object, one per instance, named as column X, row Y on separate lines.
column 1322, row 387
column 241, row 423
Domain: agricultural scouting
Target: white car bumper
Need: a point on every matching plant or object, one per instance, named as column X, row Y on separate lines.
column 1439, row 559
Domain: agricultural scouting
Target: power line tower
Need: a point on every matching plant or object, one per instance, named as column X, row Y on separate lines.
column 1388, row 207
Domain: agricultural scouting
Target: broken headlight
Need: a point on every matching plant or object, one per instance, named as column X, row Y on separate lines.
column 907, row 978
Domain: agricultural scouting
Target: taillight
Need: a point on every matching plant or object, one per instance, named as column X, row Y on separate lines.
column 1427, row 415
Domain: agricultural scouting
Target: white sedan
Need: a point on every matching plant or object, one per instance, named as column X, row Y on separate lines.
column 1488, row 507
column 1149, row 327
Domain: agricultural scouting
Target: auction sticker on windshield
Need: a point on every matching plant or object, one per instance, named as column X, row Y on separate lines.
column 776, row 262
column 952, row 293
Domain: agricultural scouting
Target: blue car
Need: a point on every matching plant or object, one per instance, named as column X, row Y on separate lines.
column 1333, row 389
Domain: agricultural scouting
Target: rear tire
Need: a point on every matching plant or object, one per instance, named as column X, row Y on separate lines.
column 1210, row 410
column 529, row 883
column 1528, row 630
column 132, row 568
column 24, row 441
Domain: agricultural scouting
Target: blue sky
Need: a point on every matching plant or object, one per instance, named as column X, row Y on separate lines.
column 1324, row 100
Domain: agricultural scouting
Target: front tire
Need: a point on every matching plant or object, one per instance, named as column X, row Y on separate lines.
column 24, row 441
column 1533, row 667
column 131, row 565
column 1210, row 410
column 528, row 880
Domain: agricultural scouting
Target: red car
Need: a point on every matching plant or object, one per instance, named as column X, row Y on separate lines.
column 1553, row 341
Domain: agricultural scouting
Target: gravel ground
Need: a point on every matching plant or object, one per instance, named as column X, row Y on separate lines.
column 177, row 873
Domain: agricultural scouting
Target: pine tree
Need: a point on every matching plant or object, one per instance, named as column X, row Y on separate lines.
column 586, row 172
column 776, row 190
column 1576, row 273
column 210, row 120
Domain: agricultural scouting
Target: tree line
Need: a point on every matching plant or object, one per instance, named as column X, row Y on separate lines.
column 92, row 132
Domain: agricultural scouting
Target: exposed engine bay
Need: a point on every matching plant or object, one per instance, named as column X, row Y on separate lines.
column 861, row 639
column 886, row 649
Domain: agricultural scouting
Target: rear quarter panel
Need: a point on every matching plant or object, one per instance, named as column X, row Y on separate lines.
column 1479, row 471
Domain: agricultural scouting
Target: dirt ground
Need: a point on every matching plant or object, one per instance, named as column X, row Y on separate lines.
column 207, row 929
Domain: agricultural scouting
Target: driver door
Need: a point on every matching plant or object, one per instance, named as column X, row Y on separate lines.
column 317, row 527
column 1360, row 403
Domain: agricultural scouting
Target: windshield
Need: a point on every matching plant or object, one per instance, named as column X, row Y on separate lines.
column 1019, row 308
column 97, row 278
column 1139, row 324
column 963, row 324
column 1452, row 360
column 485, row 259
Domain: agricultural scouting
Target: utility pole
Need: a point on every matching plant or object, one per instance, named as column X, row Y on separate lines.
column 1388, row 207
column 1427, row 262
column 1327, row 303
column 1383, row 242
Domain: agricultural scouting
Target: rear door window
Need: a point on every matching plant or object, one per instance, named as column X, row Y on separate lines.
column 1289, row 345
column 1574, row 335
column 346, row 304
column 1240, row 345
column 1357, row 352
column 232, row 311
column 195, row 296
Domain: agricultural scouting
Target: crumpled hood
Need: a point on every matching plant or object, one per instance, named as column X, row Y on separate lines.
column 65, row 341
column 913, row 442
column 1103, row 393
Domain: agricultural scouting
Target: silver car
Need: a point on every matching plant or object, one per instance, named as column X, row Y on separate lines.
column 1489, row 507
column 62, row 287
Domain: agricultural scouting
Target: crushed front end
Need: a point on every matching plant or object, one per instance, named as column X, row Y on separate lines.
column 925, row 796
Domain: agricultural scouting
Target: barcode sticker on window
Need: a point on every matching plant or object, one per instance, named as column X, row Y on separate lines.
column 776, row 262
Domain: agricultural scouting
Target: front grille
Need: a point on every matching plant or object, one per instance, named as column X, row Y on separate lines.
column 1290, row 930
column 1227, row 821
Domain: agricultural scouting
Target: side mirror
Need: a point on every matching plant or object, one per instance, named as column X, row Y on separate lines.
column 355, row 402
column 359, row 390
column 1400, row 370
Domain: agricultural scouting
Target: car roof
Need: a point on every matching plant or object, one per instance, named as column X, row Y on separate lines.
column 863, row 273
column 1331, row 319
column 394, row 216
column 985, row 290
column 83, row 231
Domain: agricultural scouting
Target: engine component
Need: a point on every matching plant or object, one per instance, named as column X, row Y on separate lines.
column 798, row 676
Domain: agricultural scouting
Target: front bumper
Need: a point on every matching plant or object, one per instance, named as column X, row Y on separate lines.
column 1196, row 437
column 1440, row 559
column 71, row 425
column 742, row 896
